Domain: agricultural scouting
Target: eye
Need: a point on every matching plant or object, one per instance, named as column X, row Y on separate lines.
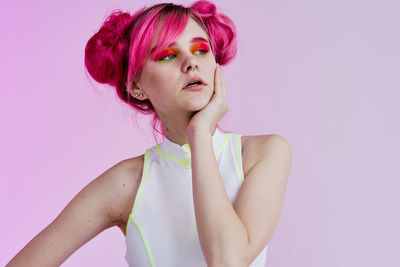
column 202, row 48
column 167, row 55
column 167, row 58
column 202, row 52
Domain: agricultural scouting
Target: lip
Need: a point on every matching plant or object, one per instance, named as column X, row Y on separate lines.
column 193, row 79
column 195, row 87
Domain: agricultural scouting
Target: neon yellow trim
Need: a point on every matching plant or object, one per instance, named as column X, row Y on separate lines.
column 239, row 162
column 140, row 190
column 139, row 194
column 142, row 235
column 186, row 161
column 219, row 150
column 188, row 147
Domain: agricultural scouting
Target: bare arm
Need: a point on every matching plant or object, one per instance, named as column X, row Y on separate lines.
column 90, row 212
column 233, row 235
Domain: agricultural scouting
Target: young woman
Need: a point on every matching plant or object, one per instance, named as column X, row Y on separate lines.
column 203, row 197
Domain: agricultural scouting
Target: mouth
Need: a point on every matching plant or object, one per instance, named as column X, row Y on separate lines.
column 195, row 87
column 194, row 82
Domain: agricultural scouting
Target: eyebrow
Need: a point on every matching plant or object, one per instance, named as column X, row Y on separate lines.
column 194, row 40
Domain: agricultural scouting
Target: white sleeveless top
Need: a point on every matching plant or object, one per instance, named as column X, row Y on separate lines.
column 162, row 230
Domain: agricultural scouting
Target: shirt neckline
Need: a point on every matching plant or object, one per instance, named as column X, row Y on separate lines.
column 171, row 150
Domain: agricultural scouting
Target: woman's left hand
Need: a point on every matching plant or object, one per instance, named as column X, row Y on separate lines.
column 208, row 118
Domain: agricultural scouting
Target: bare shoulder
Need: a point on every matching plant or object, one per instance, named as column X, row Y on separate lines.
column 255, row 147
column 124, row 186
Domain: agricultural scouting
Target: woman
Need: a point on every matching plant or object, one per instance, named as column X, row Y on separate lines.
column 203, row 197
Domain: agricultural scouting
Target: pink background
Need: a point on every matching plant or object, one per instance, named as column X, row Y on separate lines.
column 323, row 74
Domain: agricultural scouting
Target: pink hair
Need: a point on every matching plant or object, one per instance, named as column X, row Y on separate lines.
column 115, row 55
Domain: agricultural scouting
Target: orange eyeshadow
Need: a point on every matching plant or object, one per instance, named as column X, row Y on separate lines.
column 166, row 52
column 200, row 46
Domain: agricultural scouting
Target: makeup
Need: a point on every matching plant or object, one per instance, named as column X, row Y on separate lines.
column 164, row 56
column 200, row 47
column 170, row 53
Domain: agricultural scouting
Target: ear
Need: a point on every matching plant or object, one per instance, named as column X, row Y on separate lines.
column 135, row 91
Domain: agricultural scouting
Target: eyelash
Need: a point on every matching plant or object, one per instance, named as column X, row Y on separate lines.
column 205, row 51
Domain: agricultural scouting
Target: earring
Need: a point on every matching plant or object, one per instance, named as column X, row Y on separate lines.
column 136, row 94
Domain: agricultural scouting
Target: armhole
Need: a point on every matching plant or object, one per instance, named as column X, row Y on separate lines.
column 239, row 162
column 140, row 189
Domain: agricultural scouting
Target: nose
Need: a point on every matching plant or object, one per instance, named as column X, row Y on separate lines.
column 190, row 63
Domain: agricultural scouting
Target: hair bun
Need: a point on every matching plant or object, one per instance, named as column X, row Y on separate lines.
column 205, row 8
column 113, row 28
column 105, row 51
column 221, row 29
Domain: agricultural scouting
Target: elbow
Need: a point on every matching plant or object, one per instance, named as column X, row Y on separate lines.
column 230, row 256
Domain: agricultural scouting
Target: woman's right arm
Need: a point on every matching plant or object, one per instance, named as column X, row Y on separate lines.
column 94, row 209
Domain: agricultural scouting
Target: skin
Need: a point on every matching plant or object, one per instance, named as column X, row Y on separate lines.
column 183, row 112
column 162, row 83
column 188, row 117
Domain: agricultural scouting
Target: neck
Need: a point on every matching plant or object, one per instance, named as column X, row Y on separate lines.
column 175, row 127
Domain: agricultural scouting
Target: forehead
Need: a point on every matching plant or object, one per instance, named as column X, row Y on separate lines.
column 192, row 29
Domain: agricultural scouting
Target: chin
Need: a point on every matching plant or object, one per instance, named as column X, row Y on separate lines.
column 195, row 107
column 198, row 103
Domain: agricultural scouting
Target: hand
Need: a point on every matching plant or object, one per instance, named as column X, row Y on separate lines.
column 207, row 118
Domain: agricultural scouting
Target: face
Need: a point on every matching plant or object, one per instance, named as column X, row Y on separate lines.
column 162, row 79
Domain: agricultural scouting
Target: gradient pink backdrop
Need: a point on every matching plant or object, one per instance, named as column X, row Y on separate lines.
column 323, row 74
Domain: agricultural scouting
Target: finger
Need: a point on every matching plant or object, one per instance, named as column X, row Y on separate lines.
column 222, row 87
column 217, row 79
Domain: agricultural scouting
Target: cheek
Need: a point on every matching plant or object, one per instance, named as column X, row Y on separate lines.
column 158, row 82
column 212, row 63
